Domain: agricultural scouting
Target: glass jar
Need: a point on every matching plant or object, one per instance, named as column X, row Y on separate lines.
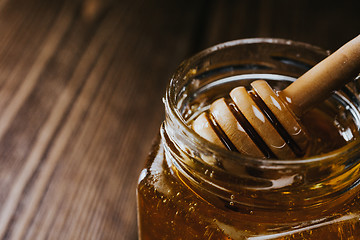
column 193, row 189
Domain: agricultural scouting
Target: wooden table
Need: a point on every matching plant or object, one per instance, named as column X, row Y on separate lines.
column 81, row 84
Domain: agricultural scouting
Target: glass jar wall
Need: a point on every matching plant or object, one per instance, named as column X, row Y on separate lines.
column 193, row 189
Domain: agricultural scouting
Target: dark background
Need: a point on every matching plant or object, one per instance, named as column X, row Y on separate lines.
column 81, row 83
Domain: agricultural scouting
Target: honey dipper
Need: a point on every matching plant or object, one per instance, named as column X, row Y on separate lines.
column 264, row 123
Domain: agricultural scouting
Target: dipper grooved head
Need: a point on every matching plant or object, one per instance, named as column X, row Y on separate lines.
column 264, row 123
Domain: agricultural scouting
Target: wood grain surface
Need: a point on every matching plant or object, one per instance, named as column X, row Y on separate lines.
column 81, row 84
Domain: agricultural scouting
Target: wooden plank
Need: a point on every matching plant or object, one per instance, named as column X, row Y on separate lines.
column 327, row 24
column 80, row 112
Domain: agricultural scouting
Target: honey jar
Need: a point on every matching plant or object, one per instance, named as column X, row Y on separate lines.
column 193, row 189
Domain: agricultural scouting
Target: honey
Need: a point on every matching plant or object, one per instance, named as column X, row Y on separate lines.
column 193, row 189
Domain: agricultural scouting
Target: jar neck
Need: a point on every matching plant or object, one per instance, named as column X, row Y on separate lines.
column 239, row 182
column 299, row 186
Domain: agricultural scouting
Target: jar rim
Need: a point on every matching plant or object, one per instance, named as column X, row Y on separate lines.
column 194, row 140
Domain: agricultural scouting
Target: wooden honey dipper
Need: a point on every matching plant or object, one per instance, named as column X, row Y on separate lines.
column 263, row 123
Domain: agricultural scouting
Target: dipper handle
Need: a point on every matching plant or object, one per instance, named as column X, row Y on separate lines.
column 327, row 76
